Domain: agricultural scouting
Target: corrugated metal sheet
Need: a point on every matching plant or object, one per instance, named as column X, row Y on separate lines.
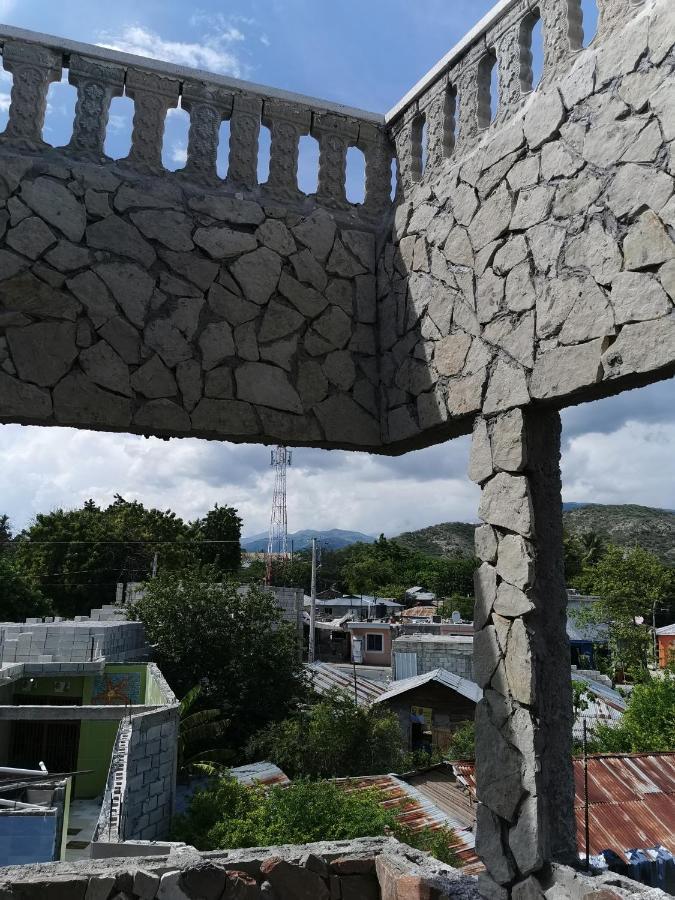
column 631, row 801
column 419, row 612
column 416, row 811
column 324, row 676
column 441, row 787
column 265, row 773
column 463, row 686
column 405, row 666
column 666, row 629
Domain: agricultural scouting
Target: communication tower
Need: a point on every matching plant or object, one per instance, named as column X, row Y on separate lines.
column 277, row 544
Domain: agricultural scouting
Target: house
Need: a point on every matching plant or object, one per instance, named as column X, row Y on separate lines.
column 631, row 813
column 665, row 638
column 420, row 614
column 431, row 706
column 324, row 677
column 358, row 607
column 371, row 642
column 79, row 698
column 416, row 654
column 418, row 596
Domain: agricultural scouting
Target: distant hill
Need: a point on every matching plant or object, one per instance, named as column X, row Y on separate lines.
column 446, row 539
column 625, row 525
column 335, row 539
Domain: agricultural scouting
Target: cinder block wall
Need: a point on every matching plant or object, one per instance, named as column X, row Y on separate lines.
column 151, row 775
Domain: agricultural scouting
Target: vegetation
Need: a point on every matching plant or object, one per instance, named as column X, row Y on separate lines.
column 631, row 585
column 384, row 568
column 231, row 642
column 336, row 738
column 448, row 539
column 229, row 815
column 20, row 595
column 463, row 743
column 626, row 525
column 200, row 738
column 647, row 725
column 78, row 556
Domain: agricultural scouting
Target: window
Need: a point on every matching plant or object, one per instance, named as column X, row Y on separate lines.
column 374, row 643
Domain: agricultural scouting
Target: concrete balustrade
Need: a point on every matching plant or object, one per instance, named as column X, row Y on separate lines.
column 462, row 79
column 36, row 61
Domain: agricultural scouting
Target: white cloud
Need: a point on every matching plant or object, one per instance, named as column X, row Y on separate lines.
column 211, row 53
column 179, row 154
column 633, row 464
column 4, row 102
column 119, row 123
column 265, row 40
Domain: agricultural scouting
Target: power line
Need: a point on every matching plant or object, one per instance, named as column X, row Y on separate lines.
column 31, row 542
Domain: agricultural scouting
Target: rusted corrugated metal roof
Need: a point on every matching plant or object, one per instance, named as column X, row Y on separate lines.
column 419, row 612
column 324, row 676
column 631, row 800
column 265, row 773
column 416, row 811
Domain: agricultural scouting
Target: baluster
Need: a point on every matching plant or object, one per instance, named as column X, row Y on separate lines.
column 484, row 88
column 407, row 136
column 153, row 96
column 510, row 56
column 287, row 123
column 208, row 106
column 97, row 83
column 34, row 69
column 242, row 169
column 467, row 87
column 376, row 147
column 439, row 113
column 563, row 31
column 527, row 27
column 335, row 135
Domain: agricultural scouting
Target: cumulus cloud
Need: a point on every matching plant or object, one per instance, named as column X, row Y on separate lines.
column 179, row 154
column 625, row 458
column 211, row 52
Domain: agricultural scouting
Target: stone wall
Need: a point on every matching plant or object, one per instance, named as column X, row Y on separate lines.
column 366, row 869
column 533, row 260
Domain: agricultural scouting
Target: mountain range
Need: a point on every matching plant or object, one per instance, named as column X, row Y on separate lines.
column 626, row 525
column 334, row 539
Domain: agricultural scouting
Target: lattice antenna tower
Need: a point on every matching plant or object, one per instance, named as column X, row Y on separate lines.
column 277, row 544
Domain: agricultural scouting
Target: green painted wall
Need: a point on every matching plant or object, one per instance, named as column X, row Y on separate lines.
column 95, row 751
column 46, row 687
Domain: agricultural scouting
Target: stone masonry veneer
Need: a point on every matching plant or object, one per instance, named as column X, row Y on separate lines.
column 527, row 266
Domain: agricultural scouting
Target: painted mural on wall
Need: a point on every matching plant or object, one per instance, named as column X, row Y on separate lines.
column 121, row 688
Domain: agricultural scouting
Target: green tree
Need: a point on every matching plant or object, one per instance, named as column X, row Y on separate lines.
column 79, row 555
column 463, row 743
column 217, row 539
column 580, row 697
column 5, row 530
column 20, row 595
column 630, row 584
column 647, row 725
column 334, row 738
column 228, row 815
column 233, row 642
column 457, row 603
column 200, row 737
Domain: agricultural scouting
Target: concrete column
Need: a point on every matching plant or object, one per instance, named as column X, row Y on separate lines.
column 521, row 654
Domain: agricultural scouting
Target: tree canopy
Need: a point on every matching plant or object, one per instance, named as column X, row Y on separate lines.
column 631, row 585
column 78, row 556
column 384, row 568
column 228, row 814
column 20, row 595
column 647, row 725
column 336, row 738
column 230, row 641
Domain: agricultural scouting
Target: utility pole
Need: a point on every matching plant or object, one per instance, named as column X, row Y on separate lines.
column 155, row 560
column 312, row 610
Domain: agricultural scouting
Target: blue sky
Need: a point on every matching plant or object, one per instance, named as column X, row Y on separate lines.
column 365, row 54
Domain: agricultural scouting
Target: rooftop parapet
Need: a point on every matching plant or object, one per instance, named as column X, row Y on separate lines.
column 37, row 60
column 452, row 104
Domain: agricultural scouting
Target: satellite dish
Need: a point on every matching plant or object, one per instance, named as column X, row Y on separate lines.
column 456, row 617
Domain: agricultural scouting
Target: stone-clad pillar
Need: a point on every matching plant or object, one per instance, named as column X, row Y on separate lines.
column 521, row 654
